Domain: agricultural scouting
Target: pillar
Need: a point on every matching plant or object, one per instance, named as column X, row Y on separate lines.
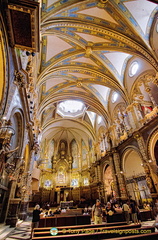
column 147, row 168
column 12, row 217
column 114, row 176
column 120, row 178
column 148, row 90
column 98, row 171
column 132, row 116
column 26, row 188
column 58, row 197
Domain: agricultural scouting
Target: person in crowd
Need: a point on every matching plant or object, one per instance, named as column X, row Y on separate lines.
column 138, row 214
column 36, row 217
column 58, row 211
column 50, row 213
column 133, row 206
column 146, row 206
column 97, row 212
column 155, row 208
column 109, row 211
column 126, row 211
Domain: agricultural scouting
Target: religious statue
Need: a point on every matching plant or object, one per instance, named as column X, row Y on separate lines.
column 109, row 141
column 5, row 154
column 126, row 121
column 147, row 110
column 150, row 184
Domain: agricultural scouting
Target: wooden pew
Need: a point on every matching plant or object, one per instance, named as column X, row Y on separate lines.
column 152, row 236
column 103, row 235
column 95, row 228
column 85, row 226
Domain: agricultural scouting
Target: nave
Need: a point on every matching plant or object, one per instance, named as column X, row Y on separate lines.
column 78, row 104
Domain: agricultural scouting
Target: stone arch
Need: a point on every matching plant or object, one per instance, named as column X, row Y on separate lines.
column 119, row 108
column 18, row 125
column 152, row 142
column 26, row 157
column 135, row 177
column 4, row 69
column 137, row 89
column 126, row 153
column 152, row 146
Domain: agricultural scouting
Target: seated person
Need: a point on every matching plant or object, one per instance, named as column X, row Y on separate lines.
column 146, row 206
column 57, row 211
column 50, row 213
column 117, row 208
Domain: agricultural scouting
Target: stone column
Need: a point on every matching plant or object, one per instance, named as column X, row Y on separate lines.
column 102, row 193
column 132, row 116
column 70, row 174
column 12, row 217
column 79, row 162
column 13, row 203
column 146, row 164
column 112, row 135
column 58, row 196
column 88, row 158
column 115, row 185
column 138, row 113
column 121, row 182
column 25, row 193
column 98, row 171
column 148, row 90
column 26, row 188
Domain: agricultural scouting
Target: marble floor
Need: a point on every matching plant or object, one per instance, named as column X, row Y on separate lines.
column 23, row 230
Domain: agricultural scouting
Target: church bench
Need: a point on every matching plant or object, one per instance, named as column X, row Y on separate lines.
column 46, row 231
column 84, row 226
column 152, row 236
column 92, row 234
column 99, row 236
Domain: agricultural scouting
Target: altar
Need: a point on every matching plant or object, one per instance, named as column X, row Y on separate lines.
column 66, row 204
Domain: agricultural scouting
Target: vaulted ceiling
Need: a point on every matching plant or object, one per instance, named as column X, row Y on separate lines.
column 86, row 50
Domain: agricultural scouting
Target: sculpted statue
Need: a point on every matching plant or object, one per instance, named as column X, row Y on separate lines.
column 109, row 141
column 5, row 154
column 150, row 184
column 126, row 121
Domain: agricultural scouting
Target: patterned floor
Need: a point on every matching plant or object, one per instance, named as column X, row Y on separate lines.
column 23, row 230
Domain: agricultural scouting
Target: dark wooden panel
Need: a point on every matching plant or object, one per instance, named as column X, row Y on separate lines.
column 60, row 220
column 21, row 23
